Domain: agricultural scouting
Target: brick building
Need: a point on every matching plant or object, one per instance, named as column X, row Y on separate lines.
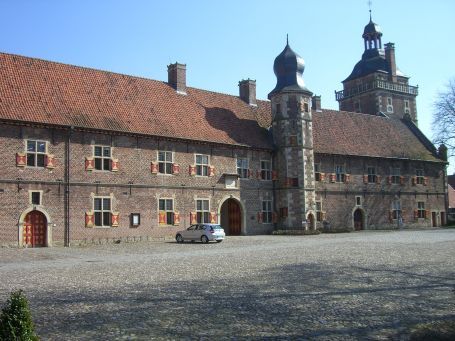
column 95, row 156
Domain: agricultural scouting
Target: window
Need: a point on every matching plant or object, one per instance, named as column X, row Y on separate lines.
column 396, row 209
column 266, row 170
column 267, row 211
column 102, row 156
column 406, row 107
column 102, row 211
column 420, row 179
column 319, row 215
column 165, row 162
column 317, row 172
column 202, row 165
column 357, row 106
column 202, row 211
column 395, row 177
column 389, row 105
column 371, row 174
column 340, row 173
column 36, row 151
column 166, row 206
column 242, row 167
column 358, row 201
column 420, row 209
column 36, row 198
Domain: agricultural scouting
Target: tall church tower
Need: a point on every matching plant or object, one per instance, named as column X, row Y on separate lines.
column 293, row 138
column 376, row 86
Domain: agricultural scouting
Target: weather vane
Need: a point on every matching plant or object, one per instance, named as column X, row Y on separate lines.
column 369, row 6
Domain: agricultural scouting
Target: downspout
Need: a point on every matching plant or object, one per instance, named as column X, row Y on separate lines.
column 67, row 190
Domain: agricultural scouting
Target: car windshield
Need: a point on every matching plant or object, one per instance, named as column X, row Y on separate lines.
column 214, row 227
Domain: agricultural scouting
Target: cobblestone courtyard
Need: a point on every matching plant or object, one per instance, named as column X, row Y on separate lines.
column 368, row 285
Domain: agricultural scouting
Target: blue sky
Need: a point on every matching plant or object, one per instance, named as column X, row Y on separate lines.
column 223, row 42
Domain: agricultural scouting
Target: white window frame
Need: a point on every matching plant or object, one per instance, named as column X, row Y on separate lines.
column 202, row 213
column 372, row 176
column 31, row 192
column 165, row 164
column 407, row 109
column 102, row 211
column 102, row 158
column 243, row 167
column 420, row 176
column 396, row 209
column 318, row 208
column 358, row 200
column 169, row 213
column 395, row 173
column 36, row 153
column 267, row 211
column 202, row 169
column 317, row 171
column 340, row 173
column 421, row 212
column 266, row 173
column 389, row 104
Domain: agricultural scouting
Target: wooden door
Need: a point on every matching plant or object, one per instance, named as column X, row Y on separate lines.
column 433, row 219
column 235, row 218
column 358, row 220
column 35, row 229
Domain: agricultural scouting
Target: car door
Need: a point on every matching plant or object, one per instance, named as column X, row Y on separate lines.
column 189, row 232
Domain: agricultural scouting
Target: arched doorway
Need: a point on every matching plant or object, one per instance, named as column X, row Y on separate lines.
column 311, row 222
column 35, row 229
column 231, row 217
column 358, row 220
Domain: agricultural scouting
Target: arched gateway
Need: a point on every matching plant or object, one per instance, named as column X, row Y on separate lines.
column 34, row 232
column 358, row 220
column 231, row 217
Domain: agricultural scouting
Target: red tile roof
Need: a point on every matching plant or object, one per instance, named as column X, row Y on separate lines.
column 47, row 92
column 39, row 91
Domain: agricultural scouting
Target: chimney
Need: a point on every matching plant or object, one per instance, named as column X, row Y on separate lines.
column 390, row 58
column 316, row 103
column 176, row 77
column 247, row 89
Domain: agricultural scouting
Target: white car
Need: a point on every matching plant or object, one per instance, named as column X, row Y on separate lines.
column 202, row 232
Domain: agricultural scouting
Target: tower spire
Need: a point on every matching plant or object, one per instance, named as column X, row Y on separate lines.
column 369, row 6
column 287, row 39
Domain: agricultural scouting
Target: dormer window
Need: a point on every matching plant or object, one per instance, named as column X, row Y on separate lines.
column 407, row 110
column 389, row 105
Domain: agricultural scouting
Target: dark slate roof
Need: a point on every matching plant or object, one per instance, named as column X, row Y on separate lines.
column 38, row 91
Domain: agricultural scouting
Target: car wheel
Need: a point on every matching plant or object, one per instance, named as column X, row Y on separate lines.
column 204, row 239
column 179, row 238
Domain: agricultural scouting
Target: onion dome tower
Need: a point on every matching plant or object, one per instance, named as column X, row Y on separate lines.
column 293, row 137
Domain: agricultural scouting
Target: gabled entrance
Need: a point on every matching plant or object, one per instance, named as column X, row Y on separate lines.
column 231, row 217
column 34, row 231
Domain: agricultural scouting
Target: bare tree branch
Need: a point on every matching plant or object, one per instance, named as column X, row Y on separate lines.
column 444, row 118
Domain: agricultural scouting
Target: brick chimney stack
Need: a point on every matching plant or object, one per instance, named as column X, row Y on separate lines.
column 247, row 90
column 316, row 103
column 176, row 77
column 390, row 57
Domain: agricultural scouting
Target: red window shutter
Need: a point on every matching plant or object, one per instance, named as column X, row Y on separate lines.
column 154, row 167
column 274, row 217
column 193, row 218
column 175, row 168
column 425, row 181
column 389, row 179
column 89, row 219
column 114, row 165
column 322, row 177
column 176, row 218
column 401, row 180
column 323, row 215
column 378, row 179
column 390, row 216
column 211, row 171
column 333, row 177
column 162, row 218
column 49, row 161
column 365, row 179
column 414, row 180
column 89, row 163
column 115, row 219
column 21, row 159
column 274, row 175
column 192, row 170
column 416, row 214
column 347, row 178
column 212, row 217
column 260, row 217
